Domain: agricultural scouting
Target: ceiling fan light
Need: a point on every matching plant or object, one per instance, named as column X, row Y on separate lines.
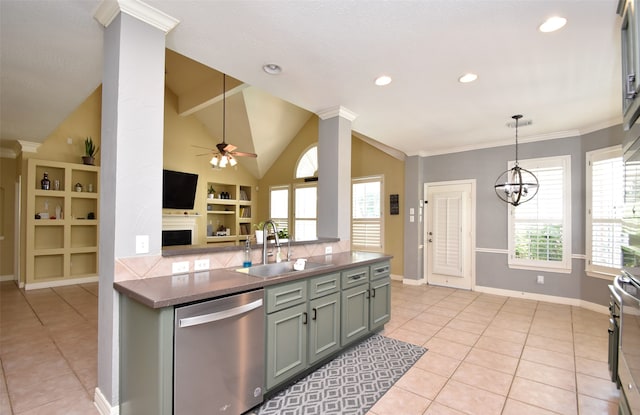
column 223, row 162
column 232, row 161
column 214, row 161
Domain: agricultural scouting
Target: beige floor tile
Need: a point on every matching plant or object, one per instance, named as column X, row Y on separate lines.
column 513, row 407
column 589, row 405
column 437, row 363
column 550, row 344
column 438, row 409
column 409, row 336
column 442, row 311
column 560, row 378
column 67, row 405
column 447, row 348
column 421, row 327
column 564, row 334
column 597, row 388
column 24, row 399
column 458, row 336
column 500, row 323
column 37, row 373
column 421, row 382
column 469, row 326
column 470, row 400
column 548, row 357
column 592, row 367
column 544, row 396
column 435, row 319
column 492, row 360
column 475, row 317
column 505, row 334
column 399, row 401
column 483, row 378
column 499, row 346
column 593, row 351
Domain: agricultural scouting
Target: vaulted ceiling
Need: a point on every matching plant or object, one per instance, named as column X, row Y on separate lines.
column 567, row 82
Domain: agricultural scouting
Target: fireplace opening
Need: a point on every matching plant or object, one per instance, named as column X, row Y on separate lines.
column 176, row 237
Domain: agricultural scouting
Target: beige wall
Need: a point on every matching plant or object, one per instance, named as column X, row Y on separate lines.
column 366, row 160
column 181, row 134
column 8, row 174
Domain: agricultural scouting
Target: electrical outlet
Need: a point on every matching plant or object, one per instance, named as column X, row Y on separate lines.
column 540, row 279
column 180, row 267
column 328, row 250
column 142, row 244
column 201, row 264
column 69, row 140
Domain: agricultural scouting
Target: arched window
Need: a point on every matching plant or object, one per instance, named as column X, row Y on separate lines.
column 308, row 163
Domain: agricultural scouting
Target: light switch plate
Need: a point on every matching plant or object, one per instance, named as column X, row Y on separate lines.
column 328, row 250
column 142, row 244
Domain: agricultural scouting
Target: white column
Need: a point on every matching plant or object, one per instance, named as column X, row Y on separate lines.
column 131, row 170
column 334, row 173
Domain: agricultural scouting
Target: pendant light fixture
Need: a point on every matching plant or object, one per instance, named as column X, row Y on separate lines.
column 516, row 185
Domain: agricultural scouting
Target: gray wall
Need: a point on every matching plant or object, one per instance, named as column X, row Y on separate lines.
column 413, row 189
column 491, row 216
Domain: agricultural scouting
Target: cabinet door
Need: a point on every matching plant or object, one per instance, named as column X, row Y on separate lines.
column 324, row 326
column 379, row 303
column 630, row 41
column 355, row 313
column 286, row 344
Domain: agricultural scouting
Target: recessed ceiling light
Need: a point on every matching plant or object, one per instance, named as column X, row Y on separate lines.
column 383, row 80
column 552, row 24
column 468, row 77
column 272, row 68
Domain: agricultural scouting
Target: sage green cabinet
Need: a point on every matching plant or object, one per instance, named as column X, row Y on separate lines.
column 324, row 327
column 366, row 305
column 630, row 42
column 286, row 344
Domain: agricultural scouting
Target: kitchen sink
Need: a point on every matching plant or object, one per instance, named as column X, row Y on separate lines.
column 277, row 268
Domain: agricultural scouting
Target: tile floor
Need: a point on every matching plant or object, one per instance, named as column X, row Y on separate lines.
column 487, row 354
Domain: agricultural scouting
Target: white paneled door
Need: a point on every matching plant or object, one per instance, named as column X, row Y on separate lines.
column 448, row 234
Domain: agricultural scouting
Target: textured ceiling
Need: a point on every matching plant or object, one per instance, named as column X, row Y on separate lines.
column 566, row 82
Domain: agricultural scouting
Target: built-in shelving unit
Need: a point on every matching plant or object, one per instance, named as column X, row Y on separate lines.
column 229, row 213
column 61, row 224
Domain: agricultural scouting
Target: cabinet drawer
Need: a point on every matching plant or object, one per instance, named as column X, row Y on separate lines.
column 323, row 285
column 380, row 270
column 284, row 296
column 354, row 277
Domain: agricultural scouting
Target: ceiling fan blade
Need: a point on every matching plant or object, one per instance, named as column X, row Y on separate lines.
column 205, row 154
column 206, row 148
column 242, row 154
column 229, row 147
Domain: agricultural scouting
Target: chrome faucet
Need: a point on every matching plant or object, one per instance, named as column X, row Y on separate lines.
column 264, row 240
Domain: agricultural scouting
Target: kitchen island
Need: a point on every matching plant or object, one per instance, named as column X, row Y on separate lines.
column 309, row 317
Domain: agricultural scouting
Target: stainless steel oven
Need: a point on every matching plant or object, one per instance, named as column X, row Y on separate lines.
column 628, row 287
column 614, row 333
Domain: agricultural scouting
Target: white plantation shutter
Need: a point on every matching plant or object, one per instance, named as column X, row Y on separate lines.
column 279, row 206
column 605, row 201
column 306, row 207
column 540, row 229
column 447, row 233
column 366, row 214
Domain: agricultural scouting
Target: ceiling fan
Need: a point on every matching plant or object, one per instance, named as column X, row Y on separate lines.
column 225, row 153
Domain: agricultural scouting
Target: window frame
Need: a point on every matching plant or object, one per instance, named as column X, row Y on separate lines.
column 280, row 221
column 598, row 271
column 563, row 266
column 369, row 179
column 297, row 186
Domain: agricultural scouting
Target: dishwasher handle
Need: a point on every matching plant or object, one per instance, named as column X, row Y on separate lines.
column 220, row 315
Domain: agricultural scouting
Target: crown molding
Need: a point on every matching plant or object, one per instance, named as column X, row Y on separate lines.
column 337, row 111
column 107, row 10
column 29, row 146
column 397, row 154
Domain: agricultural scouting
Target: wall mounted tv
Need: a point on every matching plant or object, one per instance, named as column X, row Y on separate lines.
column 178, row 189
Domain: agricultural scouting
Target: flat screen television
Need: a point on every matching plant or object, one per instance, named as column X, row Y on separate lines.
column 178, row 189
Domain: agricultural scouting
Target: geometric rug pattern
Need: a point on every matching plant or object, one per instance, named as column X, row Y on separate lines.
column 349, row 384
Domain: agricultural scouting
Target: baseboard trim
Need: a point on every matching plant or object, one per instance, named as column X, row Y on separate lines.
column 543, row 297
column 103, row 405
column 9, row 277
column 50, row 284
column 414, row 282
column 396, row 277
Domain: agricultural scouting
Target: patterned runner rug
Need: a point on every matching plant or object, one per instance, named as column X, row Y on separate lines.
column 349, row 384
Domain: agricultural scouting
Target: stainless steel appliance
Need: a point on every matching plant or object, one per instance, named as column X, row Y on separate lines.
column 614, row 333
column 219, row 355
column 628, row 287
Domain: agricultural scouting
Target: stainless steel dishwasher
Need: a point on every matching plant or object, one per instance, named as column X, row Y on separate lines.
column 219, row 355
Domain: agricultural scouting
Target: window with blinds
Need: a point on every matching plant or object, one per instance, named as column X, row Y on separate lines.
column 540, row 229
column 604, row 203
column 279, row 206
column 366, row 214
column 305, row 212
